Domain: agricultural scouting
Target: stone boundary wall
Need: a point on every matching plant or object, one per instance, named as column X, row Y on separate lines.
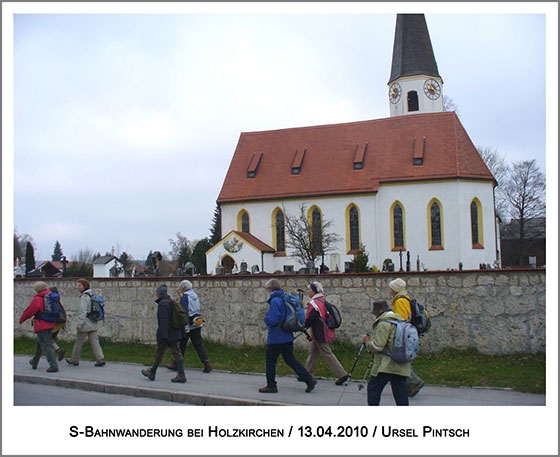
column 494, row 311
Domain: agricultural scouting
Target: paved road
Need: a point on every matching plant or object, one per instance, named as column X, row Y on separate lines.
column 41, row 395
column 225, row 388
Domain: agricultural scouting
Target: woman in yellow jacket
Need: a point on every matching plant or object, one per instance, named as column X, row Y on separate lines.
column 401, row 306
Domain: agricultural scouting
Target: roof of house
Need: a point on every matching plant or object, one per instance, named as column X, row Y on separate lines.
column 254, row 241
column 104, row 260
column 412, row 49
column 386, row 148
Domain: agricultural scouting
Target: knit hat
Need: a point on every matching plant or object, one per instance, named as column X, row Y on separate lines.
column 161, row 290
column 397, row 285
column 380, row 306
column 316, row 287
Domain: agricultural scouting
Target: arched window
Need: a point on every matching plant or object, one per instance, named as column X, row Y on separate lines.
column 398, row 227
column 316, row 230
column 412, row 99
column 354, row 222
column 435, row 228
column 280, row 233
column 243, row 223
column 476, row 224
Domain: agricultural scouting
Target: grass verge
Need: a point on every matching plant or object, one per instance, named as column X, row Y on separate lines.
column 453, row 368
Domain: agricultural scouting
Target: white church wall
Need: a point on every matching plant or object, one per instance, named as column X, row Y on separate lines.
column 455, row 198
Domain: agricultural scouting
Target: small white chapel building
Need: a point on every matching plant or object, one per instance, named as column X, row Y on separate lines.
column 413, row 182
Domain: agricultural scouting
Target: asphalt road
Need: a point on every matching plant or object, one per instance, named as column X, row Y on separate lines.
column 41, row 395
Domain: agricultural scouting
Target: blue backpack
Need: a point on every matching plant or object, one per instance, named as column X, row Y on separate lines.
column 97, row 312
column 53, row 310
column 295, row 314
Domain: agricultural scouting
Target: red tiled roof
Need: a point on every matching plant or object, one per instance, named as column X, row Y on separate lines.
column 263, row 247
column 330, row 152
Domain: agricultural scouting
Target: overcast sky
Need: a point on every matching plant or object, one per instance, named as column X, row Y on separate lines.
column 125, row 125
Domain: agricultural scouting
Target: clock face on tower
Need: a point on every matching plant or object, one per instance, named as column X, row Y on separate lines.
column 432, row 89
column 395, row 93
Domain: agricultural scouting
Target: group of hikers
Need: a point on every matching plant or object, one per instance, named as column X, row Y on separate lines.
column 384, row 368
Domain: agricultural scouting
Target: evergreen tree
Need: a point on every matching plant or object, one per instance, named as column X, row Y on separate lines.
column 57, row 254
column 29, row 258
column 361, row 259
column 216, row 229
column 148, row 261
column 199, row 255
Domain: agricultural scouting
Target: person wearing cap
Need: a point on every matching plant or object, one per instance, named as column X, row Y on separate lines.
column 401, row 306
column 321, row 335
column 280, row 342
column 188, row 299
column 384, row 369
column 41, row 328
column 167, row 337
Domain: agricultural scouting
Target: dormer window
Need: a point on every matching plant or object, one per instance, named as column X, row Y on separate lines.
column 412, row 98
column 254, row 164
column 298, row 161
column 359, row 156
column 418, row 151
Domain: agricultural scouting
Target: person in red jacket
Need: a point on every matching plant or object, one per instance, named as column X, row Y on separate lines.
column 42, row 328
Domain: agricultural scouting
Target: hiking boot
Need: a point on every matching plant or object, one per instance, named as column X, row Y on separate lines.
column 71, row 362
column 180, row 378
column 149, row 374
column 311, row 385
column 33, row 365
column 100, row 363
column 207, row 367
column 172, row 366
column 61, row 353
column 413, row 390
column 342, row 380
column 52, row 370
column 268, row 390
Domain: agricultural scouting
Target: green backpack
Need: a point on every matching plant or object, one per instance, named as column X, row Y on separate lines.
column 178, row 315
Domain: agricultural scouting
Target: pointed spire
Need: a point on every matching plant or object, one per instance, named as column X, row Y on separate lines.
column 412, row 49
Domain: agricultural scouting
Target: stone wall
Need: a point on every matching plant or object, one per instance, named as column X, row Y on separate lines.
column 494, row 311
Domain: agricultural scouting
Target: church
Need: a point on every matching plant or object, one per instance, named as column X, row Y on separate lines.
column 408, row 187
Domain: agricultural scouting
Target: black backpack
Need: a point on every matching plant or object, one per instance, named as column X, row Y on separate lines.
column 334, row 318
column 419, row 316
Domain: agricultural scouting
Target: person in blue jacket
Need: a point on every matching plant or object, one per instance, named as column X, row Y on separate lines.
column 280, row 342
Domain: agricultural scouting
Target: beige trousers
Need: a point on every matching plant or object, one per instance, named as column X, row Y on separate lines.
column 93, row 341
column 324, row 349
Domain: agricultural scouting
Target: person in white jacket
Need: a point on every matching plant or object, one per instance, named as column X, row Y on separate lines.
column 86, row 327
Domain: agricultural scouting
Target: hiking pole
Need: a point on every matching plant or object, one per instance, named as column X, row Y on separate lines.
column 362, row 346
column 361, row 386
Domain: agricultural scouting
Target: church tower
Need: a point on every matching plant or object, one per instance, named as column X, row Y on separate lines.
column 415, row 85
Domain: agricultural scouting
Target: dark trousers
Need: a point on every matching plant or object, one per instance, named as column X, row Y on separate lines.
column 44, row 345
column 377, row 383
column 287, row 351
column 162, row 347
column 196, row 337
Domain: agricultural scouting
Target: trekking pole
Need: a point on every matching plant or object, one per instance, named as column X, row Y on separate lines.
column 361, row 386
column 362, row 346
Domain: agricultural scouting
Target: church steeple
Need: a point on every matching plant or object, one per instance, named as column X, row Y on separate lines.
column 415, row 84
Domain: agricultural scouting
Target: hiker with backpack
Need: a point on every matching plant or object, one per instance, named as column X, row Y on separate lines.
column 168, row 335
column 280, row 342
column 384, row 368
column 41, row 327
column 60, row 324
column 86, row 327
column 402, row 306
column 189, row 300
column 321, row 334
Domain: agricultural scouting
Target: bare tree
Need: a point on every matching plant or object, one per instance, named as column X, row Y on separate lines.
column 449, row 105
column 181, row 247
column 497, row 165
column 525, row 191
column 83, row 256
column 307, row 243
column 20, row 243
